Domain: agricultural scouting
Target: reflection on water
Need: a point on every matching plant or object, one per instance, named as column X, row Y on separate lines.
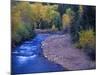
column 23, row 59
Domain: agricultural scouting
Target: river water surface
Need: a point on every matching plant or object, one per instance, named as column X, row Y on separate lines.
column 29, row 58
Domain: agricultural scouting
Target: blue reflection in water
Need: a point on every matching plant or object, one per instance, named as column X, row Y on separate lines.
column 28, row 58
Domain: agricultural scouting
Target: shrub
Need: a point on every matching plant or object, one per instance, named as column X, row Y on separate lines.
column 16, row 38
column 87, row 42
column 87, row 38
column 22, row 28
column 22, row 31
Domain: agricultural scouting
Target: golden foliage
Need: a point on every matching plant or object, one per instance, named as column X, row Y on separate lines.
column 21, row 19
column 20, row 11
column 87, row 39
column 44, row 12
column 66, row 20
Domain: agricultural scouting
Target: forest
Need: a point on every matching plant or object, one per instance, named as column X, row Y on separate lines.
column 77, row 20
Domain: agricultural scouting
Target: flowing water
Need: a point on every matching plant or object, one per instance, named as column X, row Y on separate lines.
column 29, row 58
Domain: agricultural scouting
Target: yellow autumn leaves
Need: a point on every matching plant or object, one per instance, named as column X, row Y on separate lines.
column 67, row 18
column 87, row 39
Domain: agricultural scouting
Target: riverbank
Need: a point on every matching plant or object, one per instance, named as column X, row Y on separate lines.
column 28, row 58
column 59, row 49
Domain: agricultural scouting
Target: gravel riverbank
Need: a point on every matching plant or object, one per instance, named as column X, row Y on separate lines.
column 59, row 49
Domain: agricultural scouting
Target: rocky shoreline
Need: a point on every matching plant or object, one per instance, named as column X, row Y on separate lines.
column 59, row 49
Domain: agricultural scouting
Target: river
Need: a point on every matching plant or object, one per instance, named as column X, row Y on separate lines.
column 29, row 58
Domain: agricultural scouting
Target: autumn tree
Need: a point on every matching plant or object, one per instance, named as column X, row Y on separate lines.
column 22, row 27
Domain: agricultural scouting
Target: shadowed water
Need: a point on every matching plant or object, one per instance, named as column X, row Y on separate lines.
column 28, row 58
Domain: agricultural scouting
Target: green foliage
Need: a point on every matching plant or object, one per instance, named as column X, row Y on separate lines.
column 77, row 19
column 84, row 18
column 88, row 17
column 83, row 29
column 70, row 12
column 16, row 38
column 26, row 17
column 62, row 8
column 22, row 31
column 57, row 20
column 22, row 28
column 45, row 16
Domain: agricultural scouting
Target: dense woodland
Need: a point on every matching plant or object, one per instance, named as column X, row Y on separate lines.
column 78, row 20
